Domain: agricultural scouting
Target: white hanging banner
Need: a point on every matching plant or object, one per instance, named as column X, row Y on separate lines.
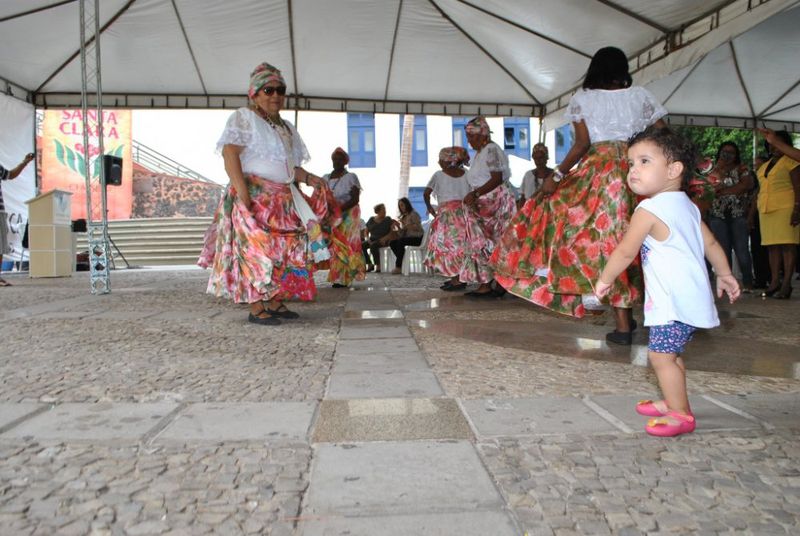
column 16, row 140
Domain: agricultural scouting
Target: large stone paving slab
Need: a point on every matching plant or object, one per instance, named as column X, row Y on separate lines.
column 781, row 410
column 710, row 417
column 374, row 346
column 534, row 416
column 368, row 479
column 10, row 412
column 374, row 332
column 379, row 362
column 241, row 422
column 390, row 419
column 101, row 421
column 390, row 384
column 492, row 523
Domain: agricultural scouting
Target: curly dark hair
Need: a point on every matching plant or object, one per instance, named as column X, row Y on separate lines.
column 608, row 70
column 675, row 147
column 737, row 159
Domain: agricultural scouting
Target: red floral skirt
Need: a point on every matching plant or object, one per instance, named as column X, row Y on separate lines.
column 570, row 236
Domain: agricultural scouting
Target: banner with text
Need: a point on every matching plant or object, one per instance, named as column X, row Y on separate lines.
column 64, row 166
column 16, row 140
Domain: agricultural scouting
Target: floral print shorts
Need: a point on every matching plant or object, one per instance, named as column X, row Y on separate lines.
column 670, row 338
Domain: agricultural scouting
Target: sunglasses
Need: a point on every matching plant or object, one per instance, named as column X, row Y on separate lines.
column 269, row 91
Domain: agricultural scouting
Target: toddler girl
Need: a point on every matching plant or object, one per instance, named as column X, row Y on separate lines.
column 667, row 230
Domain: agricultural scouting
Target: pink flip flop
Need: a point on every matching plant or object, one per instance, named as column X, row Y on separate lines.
column 648, row 409
column 665, row 427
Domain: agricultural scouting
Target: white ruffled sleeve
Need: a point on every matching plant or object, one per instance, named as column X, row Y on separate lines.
column 238, row 130
column 495, row 160
column 574, row 111
column 652, row 110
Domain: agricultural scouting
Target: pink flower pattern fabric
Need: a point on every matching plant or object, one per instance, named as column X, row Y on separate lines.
column 456, row 244
column 263, row 254
column 347, row 260
column 572, row 234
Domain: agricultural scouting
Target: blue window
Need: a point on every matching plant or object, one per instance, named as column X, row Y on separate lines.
column 563, row 142
column 361, row 140
column 418, row 201
column 460, row 135
column 516, row 136
column 419, row 140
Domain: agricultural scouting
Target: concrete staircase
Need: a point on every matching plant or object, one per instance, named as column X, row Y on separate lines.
column 156, row 241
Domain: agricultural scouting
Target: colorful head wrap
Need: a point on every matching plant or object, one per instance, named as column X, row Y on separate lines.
column 341, row 151
column 261, row 76
column 478, row 125
column 454, row 156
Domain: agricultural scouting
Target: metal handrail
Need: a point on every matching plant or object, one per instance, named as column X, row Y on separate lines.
column 155, row 161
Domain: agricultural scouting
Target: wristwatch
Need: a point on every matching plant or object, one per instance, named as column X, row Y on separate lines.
column 557, row 175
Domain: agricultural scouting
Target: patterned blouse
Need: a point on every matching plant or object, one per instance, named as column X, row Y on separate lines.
column 731, row 205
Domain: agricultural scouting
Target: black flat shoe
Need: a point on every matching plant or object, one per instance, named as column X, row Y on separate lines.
column 783, row 295
column 270, row 320
column 452, row 288
column 620, row 337
column 476, row 294
column 282, row 312
column 338, row 285
column 769, row 292
column 499, row 292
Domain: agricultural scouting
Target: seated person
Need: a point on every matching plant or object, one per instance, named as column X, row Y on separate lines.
column 407, row 232
column 378, row 229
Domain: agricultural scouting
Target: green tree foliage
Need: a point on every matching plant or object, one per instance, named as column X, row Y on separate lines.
column 708, row 140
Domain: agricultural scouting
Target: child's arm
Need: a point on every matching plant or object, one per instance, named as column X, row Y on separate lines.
column 641, row 224
column 725, row 280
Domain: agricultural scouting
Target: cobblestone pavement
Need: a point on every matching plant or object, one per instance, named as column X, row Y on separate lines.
column 158, row 338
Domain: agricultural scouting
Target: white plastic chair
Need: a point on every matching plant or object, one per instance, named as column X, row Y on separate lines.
column 413, row 257
column 387, row 260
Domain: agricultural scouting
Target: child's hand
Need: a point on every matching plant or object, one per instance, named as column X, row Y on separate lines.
column 601, row 289
column 728, row 283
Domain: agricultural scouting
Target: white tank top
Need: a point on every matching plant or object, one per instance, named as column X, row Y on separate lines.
column 676, row 285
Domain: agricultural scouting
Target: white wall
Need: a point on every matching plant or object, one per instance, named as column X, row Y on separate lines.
column 190, row 136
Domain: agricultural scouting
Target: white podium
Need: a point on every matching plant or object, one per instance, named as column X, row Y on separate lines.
column 50, row 240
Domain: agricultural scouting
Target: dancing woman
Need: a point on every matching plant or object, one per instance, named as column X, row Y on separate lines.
column 554, row 250
column 260, row 245
column 489, row 197
column 347, row 261
column 455, row 239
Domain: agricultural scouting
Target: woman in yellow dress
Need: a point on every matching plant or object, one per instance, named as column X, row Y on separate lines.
column 779, row 216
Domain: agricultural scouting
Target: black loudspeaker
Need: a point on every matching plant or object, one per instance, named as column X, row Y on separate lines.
column 112, row 168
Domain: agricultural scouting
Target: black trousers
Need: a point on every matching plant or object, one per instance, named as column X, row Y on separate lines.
column 371, row 252
column 399, row 247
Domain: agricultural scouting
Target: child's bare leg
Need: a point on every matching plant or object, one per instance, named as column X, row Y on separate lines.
column 671, row 374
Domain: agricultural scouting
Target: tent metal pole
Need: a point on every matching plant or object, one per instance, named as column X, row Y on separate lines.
column 391, row 53
column 741, row 80
column 91, row 86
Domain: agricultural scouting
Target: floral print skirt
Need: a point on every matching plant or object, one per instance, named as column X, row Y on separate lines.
column 493, row 213
column 456, row 244
column 263, row 254
column 556, row 247
column 347, row 259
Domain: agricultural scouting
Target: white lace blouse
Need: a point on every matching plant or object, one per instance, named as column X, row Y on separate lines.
column 446, row 188
column 489, row 159
column 341, row 186
column 266, row 152
column 614, row 115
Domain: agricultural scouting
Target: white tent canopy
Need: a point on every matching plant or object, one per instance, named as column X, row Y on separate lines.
column 726, row 62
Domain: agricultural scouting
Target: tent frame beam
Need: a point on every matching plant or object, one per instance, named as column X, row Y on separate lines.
column 77, row 53
column 189, row 46
column 37, row 10
column 526, row 29
column 482, row 49
column 741, row 80
column 779, row 99
column 391, row 53
column 636, row 16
